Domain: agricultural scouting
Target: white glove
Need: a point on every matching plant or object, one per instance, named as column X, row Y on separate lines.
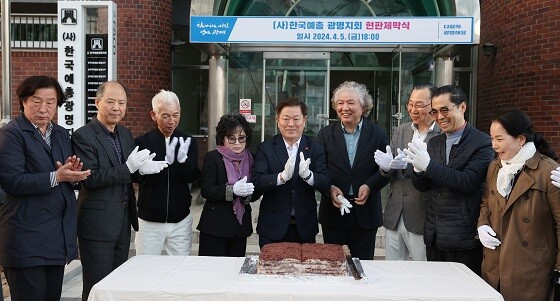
column 304, row 171
column 398, row 161
column 183, row 152
column 417, row 155
column 383, row 159
column 170, row 151
column 487, row 237
column 345, row 206
column 136, row 158
column 555, row 176
column 150, row 167
column 242, row 188
column 288, row 171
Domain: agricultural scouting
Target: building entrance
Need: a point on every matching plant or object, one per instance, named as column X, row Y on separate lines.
column 270, row 76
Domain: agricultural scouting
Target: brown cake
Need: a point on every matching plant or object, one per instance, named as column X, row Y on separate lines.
column 302, row 259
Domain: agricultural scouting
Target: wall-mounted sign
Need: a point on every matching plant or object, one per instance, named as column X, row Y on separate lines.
column 335, row 30
column 85, row 59
column 97, row 71
column 245, row 106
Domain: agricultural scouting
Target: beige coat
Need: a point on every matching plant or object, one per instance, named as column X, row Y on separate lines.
column 526, row 224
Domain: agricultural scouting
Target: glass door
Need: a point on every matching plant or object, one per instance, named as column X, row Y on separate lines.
column 397, row 109
column 289, row 74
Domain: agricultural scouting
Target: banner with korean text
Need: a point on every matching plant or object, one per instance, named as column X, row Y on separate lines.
column 332, row 30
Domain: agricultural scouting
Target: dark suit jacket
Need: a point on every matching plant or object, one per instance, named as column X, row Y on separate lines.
column 363, row 171
column 37, row 222
column 100, row 210
column 277, row 202
column 217, row 217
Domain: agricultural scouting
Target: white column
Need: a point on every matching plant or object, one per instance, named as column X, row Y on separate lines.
column 444, row 71
column 217, row 95
column 6, row 100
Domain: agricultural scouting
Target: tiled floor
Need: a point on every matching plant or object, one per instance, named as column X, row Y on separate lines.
column 72, row 289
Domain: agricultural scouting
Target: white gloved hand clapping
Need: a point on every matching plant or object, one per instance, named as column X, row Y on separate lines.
column 345, row 204
column 170, row 151
column 555, row 176
column 417, row 155
column 304, row 171
column 289, row 167
column 136, row 158
column 150, row 167
column 242, row 188
column 398, row 161
column 183, row 152
column 487, row 237
column 383, row 159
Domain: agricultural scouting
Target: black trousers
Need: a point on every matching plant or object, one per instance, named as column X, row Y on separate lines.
column 99, row 258
column 472, row 258
column 210, row 245
column 292, row 235
column 360, row 241
column 36, row 283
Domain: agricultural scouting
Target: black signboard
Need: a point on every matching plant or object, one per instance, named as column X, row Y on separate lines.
column 97, row 69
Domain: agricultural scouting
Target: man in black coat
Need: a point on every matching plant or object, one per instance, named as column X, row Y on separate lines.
column 351, row 213
column 164, row 199
column 288, row 168
column 106, row 203
column 452, row 168
column 37, row 172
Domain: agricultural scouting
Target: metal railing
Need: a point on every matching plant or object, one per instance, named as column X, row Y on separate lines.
column 33, row 31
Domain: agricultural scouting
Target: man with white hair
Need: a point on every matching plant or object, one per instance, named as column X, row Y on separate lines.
column 164, row 199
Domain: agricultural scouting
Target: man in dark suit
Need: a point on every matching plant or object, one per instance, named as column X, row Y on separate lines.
column 288, row 168
column 106, row 203
column 356, row 183
column 37, row 172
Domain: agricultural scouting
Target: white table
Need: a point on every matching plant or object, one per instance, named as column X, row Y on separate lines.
column 217, row 278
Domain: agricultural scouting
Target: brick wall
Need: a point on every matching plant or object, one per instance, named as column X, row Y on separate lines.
column 143, row 58
column 525, row 73
column 28, row 63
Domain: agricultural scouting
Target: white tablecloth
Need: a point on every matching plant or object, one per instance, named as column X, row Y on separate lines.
column 217, row 278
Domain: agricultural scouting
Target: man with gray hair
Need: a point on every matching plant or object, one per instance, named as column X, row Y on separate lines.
column 351, row 213
column 405, row 211
column 164, row 199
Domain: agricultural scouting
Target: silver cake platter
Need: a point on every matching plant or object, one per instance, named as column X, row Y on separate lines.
column 249, row 271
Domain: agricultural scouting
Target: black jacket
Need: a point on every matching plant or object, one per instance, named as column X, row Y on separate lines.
column 165, row 196
column 455, row 189
column 37, row 221
column 217, row 217
column 363, row 171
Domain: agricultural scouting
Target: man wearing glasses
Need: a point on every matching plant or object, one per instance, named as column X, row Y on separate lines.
column 452, row 168
column 405, row 211
column 288, row 168
column 164, row 199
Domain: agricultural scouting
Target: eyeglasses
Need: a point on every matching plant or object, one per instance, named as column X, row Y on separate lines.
column 240, row 139
column 37, row 101
column 444, row 111
column 416, row 106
